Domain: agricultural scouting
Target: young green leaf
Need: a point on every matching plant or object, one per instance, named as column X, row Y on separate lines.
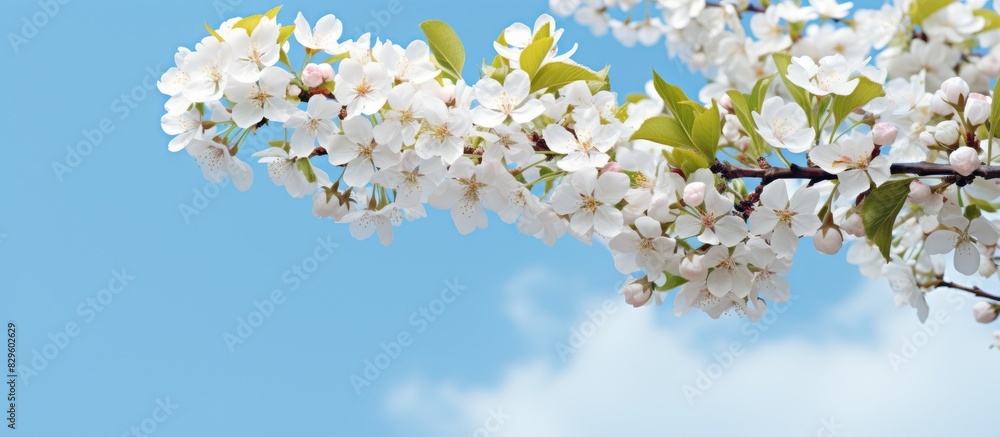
column 449, row 53
column 533, row 55
column 665, row 130
column 862, row 94
column 213, row 32
column 879, row 212
column 306, row 168
column 674, row 97
column 706, row 131
column 672, row 282
column 921, row 9
column 557, row 74
column 743, row 114
column 273, row 13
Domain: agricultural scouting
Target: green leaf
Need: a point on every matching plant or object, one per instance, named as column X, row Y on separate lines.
column 706, row 131
column 306, row 168
column 558, row 74
column 336, row 58
column 544, row 32
column 674, row 97
column 743, row 114
column 686, row 160
column 862, row 94
column 603, row 82
column 994, row 116
column 672, row 282
column 665, row 130
column 921, row 9
column 533, row 55
column 449, row 53
column 249, row 23
column 284, row 33
column 879, row 212
column 273, row 13
column 991, row 18
column 213, row 32
column 782, row 61
column 757, row 96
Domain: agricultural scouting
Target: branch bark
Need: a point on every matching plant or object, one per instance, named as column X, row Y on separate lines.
column 974, row 290
column 816, row 174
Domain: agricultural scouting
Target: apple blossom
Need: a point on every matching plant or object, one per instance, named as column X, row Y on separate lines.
column 961, row 235
column 784, row 125
column 884, row 134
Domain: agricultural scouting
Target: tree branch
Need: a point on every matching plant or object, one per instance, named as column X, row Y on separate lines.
column 974, row 290
column 815, row 174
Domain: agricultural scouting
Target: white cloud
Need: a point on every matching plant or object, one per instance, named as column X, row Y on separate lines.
column 629, row 378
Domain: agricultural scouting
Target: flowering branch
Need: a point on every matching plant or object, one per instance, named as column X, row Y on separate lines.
column 544, row 142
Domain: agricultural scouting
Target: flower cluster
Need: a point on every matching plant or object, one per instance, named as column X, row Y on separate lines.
column 683, row 194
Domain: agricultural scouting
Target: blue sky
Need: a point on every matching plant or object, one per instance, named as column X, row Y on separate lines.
column 123, row 303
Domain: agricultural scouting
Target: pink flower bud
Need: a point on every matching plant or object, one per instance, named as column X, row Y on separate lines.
column 984, row 312
column 919, row 192
column 694, row 193
column 636, row 293
column 726, row 103
column 293, row 90
column 946, row 132
column 977, row 109
column 327, row 71
column 955, row 90
column 312, row 76
column 964, row 160
column 852, row 225
column 611, row 167
column 828, row 240
column 884, row 133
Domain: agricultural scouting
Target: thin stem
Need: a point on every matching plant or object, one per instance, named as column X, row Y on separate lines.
column 974, row 290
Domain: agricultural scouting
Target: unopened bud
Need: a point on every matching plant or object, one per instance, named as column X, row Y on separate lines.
column 939, row 106
column 853, row 225
column 946, row 132
column 828, row 240
column 692, row 270
column 637, row 292
column 919, row 192
column 955, row 90
column 884, row 133
column 726, row 103
column 326, row 70
column 964, row 160
column 984, row 312
column 694, row 193
column 312, row 76
column 977, row 109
